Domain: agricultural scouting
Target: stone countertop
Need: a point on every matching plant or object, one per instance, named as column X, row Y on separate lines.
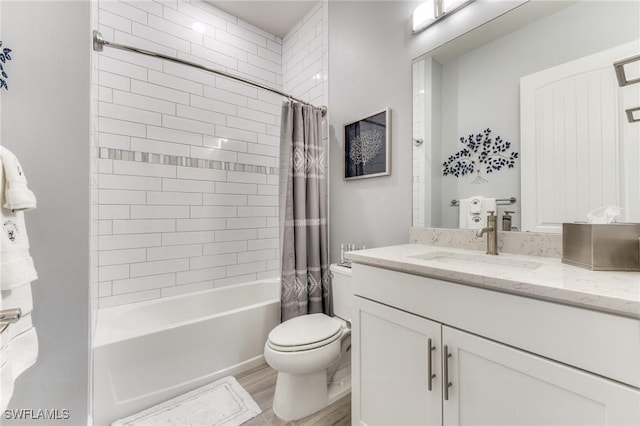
column 538, row 277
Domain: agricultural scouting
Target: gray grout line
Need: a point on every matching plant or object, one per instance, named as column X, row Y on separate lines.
column 176, row 160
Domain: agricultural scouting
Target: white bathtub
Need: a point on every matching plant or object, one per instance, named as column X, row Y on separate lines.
column 146, row 353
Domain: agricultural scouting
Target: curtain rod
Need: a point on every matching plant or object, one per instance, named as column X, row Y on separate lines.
column 99, row 42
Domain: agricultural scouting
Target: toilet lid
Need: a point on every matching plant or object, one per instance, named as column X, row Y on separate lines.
column 305, row 330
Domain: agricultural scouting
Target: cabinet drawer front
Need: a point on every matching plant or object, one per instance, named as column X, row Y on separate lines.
column 499, row 385
column 601, row 343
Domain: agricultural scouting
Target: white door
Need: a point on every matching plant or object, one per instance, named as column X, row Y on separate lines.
column 494, row 384
column 391, row 363
column 579, row 152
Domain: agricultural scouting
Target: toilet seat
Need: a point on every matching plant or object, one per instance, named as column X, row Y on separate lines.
column 305, row 333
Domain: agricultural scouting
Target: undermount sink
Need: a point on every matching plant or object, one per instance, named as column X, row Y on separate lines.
column 477, row 261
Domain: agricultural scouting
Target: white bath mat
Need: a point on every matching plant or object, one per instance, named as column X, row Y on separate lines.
column 223, row 402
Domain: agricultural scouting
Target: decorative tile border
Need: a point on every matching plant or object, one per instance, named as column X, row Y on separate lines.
column 176, row 160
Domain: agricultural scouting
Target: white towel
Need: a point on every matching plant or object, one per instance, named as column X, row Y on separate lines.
column 17, row 196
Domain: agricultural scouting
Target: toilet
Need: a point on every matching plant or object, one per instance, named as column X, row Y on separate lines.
column 312, row 355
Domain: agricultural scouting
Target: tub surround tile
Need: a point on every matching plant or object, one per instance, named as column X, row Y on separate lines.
column 544, row 278
column 526, row 243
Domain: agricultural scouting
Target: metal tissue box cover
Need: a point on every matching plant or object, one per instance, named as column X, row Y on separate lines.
column 610, row 247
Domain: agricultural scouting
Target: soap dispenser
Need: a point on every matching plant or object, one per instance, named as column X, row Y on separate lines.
column 506, row 220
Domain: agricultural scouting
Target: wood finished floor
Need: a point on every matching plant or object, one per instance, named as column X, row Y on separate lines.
column 261, row 383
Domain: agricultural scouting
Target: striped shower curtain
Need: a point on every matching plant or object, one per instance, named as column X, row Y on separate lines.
column 303, row 213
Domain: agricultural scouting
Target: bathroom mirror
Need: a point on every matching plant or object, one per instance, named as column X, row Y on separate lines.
column 468, row 92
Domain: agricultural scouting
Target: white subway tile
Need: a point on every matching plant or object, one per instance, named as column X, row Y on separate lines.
column 105, row 94
column 118, row 257
column 268, row 274
column 113, row 272
column 274, row 47
column 182, row 238
column 273, row 180
column 236, row 87
column 238, row 134
column 266, row 107
column 110, row 181
column 183, row 20
column 201, row 16
column 227, row 247
column 212, row 261
column 115, row 21
column 253, row 115
column 173, row 4
column 133, row 58
column 108, row 140
column 226, row 47
column 113, row 212
column 174, row 198
column 269, row 243
column 274, row 264
column 147, row 6
column 246, row 223
column 129, row 114
column 224, row 144
column 187, row 185
column 266, row 96
column 110, row 125
column 223, row 37
column 174, row 252
column 257, row 72
column 236, row 235
column 186, row 288
column 187, row 125
column 124, row 10
column 221, row 95
column 202, row 224
column 143, row 226
column 212, row 211
column 253, row 211
column 176, row 83
column 199, row 275
column 104, row 289
column 214, row 154
column 115, row 81
column 255, row 256
column 246, row 268
column 269, row 140
column 143, row 169
column 142, row 43
column 201, row 174
column 259, row 160
column 143, row 102
column 270, row 55
column 190, row 73
column 216, row 59
column 159, row 147
column 200, row 114
column 265, row 64
column 105, row 227
column 126, row 69
column 250, row 33
column 159, row 92
column 171, row 135
column 267, row 190
column 159, row 267
column 242, row 177
column 115, row 242
column 236, row 188
column 114, row 196
column 145, row 283
column 243, row 124
column 224, row 200
column 238, row 279
column 268, row 232
column 125, row 299
column 159, row 212
column 266, row 150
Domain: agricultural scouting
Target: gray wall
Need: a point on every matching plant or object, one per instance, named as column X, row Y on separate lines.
column 370, row 69
column 45, row 122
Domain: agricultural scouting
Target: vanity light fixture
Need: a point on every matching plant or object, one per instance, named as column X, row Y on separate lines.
column 430, row 11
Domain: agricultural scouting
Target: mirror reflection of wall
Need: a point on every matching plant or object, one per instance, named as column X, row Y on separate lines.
column 462, row 89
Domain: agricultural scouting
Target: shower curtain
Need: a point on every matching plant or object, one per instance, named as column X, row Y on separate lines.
column 303, row 213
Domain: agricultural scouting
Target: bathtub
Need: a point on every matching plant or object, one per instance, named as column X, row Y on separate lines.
column 148, row 352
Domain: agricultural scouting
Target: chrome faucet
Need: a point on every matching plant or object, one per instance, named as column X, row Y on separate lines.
column 492, row 233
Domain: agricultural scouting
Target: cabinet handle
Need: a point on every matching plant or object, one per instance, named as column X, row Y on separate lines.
column 445, row 373
column 430, row 375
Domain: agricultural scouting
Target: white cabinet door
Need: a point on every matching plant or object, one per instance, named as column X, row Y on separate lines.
column 391, row 367
column 494, row 384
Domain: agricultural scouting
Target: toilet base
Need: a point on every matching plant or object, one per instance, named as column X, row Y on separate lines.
column 299, row 396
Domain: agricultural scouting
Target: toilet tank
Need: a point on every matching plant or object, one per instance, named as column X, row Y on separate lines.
column 342, row 291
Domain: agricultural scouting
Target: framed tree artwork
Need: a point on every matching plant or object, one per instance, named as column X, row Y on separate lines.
column 367, row 146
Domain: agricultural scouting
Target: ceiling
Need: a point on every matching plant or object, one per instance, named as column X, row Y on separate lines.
column 275, row 17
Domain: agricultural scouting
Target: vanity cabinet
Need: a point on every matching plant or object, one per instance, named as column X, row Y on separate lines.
column 492, row 382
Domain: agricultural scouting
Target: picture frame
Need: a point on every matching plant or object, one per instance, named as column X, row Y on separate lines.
column 367, row 146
